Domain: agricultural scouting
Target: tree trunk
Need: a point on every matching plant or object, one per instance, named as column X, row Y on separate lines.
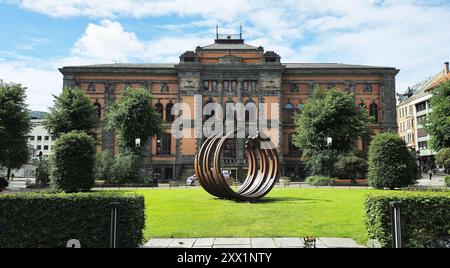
column 8, row 174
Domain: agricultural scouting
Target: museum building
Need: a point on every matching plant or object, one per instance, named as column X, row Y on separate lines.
column 230, row 70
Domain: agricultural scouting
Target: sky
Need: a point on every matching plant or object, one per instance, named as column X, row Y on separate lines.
column 39, row 36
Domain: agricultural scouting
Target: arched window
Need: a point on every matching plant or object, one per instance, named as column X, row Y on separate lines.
column 169, row 116
column 251, row 112
column 373, row 111
column 289, row 113
column 300, row 107
column 163, row 144
column 362, row 106
column 98, row 107
column 160, row 109
column 293, row 150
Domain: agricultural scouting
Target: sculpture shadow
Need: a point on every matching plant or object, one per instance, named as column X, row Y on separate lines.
column 268, row 200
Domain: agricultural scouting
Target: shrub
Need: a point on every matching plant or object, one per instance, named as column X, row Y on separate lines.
column 320, row 181
column 124, row 168
column 320, row 163
column 447, row 181
column 391, row 164
column 43, row 171
column 73, row 162
column 351, row 167
column 3, row 183
column 103, row 163
column 425, row 216
column 443, row 159
column 49, row 220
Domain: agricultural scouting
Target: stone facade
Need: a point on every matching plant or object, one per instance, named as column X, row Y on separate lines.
column 231, row 71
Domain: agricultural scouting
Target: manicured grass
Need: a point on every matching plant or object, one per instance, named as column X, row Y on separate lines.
column 283, row 213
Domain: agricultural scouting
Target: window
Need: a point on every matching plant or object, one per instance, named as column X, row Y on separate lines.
column 31, row 138
column 253, row 86
column 159, row 109
column 289, row 113
column 46, row 138
column 39, row 138
column 169, row 116
column 38, row 147
column 362, row 106
column 421, row 106
column 293, row 150
column 98, row 107
column 206, row 85
column 421, row 120
column 214, row 86
column 233, row 86
column 245, row 86
column 45, row 147
column 226, row 86
column 164, row 88
column 423, row 145
column 373, row 111
column 91, row 87
column 368, row 88
column 230, row 149
column 163, row 144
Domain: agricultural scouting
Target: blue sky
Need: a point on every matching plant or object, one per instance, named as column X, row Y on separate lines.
column 39, row 36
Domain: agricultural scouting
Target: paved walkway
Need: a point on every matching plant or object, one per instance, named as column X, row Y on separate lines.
column 287, row 242
column 436, row 180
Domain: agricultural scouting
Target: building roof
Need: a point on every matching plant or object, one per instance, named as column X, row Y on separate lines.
column 422, row 89
column 128, row 65
column 329, row 65
column 37, row 115
column 229, row 47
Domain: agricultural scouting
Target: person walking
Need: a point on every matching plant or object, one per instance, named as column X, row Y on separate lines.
column 430, row 173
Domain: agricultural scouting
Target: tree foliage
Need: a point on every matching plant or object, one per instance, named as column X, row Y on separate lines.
column 14, row 126
column 351, row 167
column 73, row 161
column 443, row 159
column 438, row 124
column 330, row 113
column 391, row 163
column 72, row 111
column 134, row 117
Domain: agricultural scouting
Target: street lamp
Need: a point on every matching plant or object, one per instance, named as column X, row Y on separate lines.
column 137, row 142
column 329, row 143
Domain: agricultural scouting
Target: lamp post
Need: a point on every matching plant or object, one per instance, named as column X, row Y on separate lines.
column 329, row 143
column 137, row 143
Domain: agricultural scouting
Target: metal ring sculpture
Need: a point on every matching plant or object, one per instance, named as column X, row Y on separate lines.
column 260, row 178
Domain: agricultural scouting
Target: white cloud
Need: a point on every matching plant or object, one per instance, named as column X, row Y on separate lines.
column 40, row 83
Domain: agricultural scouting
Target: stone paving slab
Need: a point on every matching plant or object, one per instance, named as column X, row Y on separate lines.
column 263, row 243
column 289, row 242
column 279, row 242
column 182, row 243
column 232, row 241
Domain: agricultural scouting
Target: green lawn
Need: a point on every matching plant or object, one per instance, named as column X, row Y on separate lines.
column 283, row 213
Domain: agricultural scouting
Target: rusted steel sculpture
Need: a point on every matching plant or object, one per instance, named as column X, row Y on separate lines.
column 260, row 177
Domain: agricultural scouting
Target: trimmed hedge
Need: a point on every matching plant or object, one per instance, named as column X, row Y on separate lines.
column 320, row 181
column 49, row 220
column 425, row 217
column 447, row 181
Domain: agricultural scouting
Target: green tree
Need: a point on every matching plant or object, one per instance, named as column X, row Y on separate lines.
column 351, row 167
column 14, row 126
column 443, row 159
column 391, row 163
column 134, row 117
column 438, row 124
column 72, row 111
column 103, row 165
column 72, row 162
column 42, row 171
column 332, row 113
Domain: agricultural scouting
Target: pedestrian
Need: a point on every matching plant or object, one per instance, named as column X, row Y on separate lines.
column 430, row 173
column 12, row 176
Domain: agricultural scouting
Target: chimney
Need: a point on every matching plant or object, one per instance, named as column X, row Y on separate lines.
column 446, row 68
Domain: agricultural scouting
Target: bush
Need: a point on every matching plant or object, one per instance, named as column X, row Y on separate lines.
column 103, row 163
column 43, row 172
column 320, row 163
column 447, row 181
column 351, row 167
column 391, row 164
column 3, row 183
column 319, row 181
column 443, row 159
column 49, row 220
column 124, row 168
column 425, row 216
column 73, row 162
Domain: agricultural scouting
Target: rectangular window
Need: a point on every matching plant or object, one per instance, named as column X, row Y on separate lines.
column 45, row 147
column 39, row 138
column 31, row 138
column 206, row 85
column 245, row 86
column 253, row 86
column 423, row 145
column 226, row 85
column 214, row 86
column 39, row 147
column 233, row 86
column 421, row 107
column 46, row 138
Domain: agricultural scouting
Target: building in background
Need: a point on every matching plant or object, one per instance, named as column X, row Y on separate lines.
column 229, row 70
column 39, row 140
column 413, row 109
